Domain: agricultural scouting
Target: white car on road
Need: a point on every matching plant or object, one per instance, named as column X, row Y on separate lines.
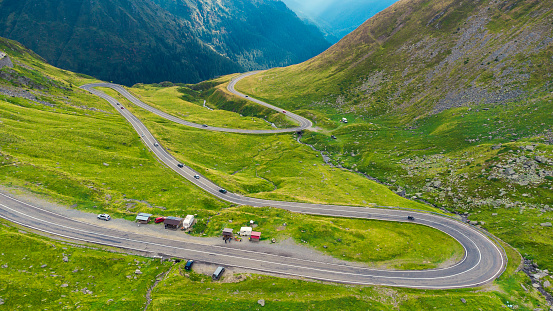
column 105, row 217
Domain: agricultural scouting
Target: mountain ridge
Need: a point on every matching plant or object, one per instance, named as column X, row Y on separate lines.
column 423, row 57
column 131, row 41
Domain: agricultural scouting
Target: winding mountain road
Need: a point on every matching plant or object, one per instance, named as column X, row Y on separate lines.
column 483, row 261
column 303, row 122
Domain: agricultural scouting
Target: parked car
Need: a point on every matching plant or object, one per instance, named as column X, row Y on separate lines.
column 105, row 217
column 189, row 264
column 159, row 219
column 218, row 273
column 180, row 165
column 332, row 136
column 222, row 190
column 197, row 176
column 410, row 218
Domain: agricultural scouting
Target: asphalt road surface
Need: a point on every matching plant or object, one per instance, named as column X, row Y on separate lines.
column 483, row 261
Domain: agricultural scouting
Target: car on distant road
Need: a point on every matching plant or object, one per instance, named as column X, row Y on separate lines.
column 204, row 125
column 122, row 107
column 159, row 219
column 105, row 217
column 197, row 176
column 410, row 218
column 156, row 144
column 283, row 111
column 180, row 165
column 222, row 190
column 247, row 96
column 189, row 264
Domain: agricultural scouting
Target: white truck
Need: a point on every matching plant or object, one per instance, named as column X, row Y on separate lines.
column 245, row 231
column 188, row 222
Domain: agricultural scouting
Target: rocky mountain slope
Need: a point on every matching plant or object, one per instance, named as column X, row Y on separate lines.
column 254, row 34
column 449, row 102
column 422, row 57
column 130, row 41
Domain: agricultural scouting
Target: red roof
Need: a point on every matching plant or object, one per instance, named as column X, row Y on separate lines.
column 256, row 235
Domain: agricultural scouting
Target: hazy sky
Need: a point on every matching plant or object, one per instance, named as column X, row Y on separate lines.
column 337, row 17
column 316, row 7
column 312, row 7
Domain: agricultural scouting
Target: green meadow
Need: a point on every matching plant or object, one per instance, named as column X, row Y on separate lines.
column 34, row 274
column 256, row 165
column 74, row 148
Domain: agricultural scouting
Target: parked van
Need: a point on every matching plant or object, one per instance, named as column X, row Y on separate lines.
column 189, row 264
column 218, row 273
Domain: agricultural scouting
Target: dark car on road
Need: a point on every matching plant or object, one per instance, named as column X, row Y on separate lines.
column 410, row 218
column 204, row 125
column 189, row 264
column 222, row 190
column 180, row 165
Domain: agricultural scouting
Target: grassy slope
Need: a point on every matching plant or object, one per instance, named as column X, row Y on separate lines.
column 399, row 61
column 25, row 165
column 391, row 77
column 235, row 162
column 286, row 294
column 86, row 156
column 24, row 283
column 33, row 275
column 194, row 112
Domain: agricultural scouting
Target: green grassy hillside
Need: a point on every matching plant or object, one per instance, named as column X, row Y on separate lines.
column 40, row 273
column 62, row 143
column 447, row 101
column 421, row 57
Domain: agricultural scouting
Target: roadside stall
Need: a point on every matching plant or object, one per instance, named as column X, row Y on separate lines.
column 143, row 218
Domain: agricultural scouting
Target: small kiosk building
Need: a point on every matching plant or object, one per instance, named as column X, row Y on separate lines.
column 173, row 223
column 255, row 236
column 143, row 218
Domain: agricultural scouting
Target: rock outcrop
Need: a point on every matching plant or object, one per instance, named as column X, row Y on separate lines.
column 5, row 61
